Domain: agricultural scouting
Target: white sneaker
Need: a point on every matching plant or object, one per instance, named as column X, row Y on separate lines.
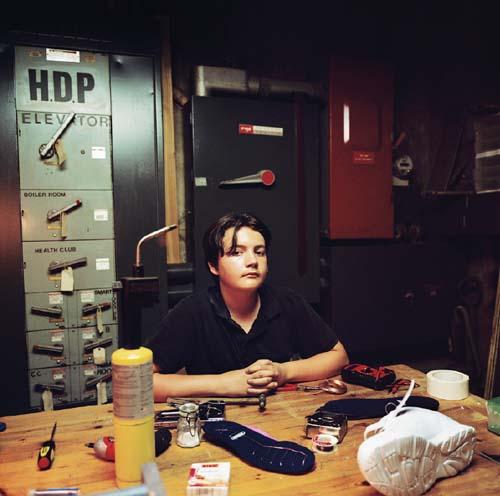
column 411, row 448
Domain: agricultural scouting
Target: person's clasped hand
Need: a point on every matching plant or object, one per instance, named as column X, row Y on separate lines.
column 265, row 374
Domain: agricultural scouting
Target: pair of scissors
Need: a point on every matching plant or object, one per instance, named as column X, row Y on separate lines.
column 332, row 386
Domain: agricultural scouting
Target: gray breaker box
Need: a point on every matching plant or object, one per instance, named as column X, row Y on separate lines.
column 77, row 309
column 97, row 269
column 84, row 160
column 62, row 347
column 77, row 383
column 87, row 215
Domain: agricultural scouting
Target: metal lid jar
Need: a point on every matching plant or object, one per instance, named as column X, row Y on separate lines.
column 188, row 426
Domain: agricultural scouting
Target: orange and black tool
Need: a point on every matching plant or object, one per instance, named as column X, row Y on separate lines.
column 377, row 378
column 47, row 452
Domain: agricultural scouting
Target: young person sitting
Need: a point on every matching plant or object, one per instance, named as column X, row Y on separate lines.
column 241, row 337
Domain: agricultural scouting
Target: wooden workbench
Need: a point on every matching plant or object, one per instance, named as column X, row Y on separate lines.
column 336, row 473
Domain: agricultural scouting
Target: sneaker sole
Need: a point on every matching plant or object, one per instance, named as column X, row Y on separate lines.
column 409, row 465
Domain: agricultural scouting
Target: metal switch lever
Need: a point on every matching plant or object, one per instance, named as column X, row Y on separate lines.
column 45, row 349
column 105, row 305
column 47, row 311
column 98, row 344
column 46, row 150
column 55, row 388
column 54, row 214
column 56, row 267
column 90, row 383
column 265, row 177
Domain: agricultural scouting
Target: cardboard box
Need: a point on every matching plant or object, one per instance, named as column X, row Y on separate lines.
column 209, row 479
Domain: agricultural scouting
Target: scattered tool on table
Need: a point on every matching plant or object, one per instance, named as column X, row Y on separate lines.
column 372, row 377
column 489, row 456
column 209, row 411
column 378, row 378
column 332, row 386
column 261, row 401
column 324, row 422
column 55, row 491
column 47, row 451
column 104, row 447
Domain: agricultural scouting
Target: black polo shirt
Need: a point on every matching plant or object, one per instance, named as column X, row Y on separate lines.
column 200, row 335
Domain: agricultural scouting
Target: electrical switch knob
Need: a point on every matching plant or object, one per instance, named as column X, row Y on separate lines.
column 46, row 151
column 54, row 387
column 87, row 309
column 54, row 214
column 266, row 177
column 55, row 349
column 87, row 348
column 55, row 311
column 91, row 383
column 58, row 266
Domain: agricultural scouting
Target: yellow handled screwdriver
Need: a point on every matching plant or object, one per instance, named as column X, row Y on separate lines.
column 47, row 451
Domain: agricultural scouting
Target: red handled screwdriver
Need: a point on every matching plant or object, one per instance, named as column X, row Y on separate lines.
column 47, row 451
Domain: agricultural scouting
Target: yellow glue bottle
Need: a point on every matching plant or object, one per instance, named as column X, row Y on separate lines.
column 133, row 409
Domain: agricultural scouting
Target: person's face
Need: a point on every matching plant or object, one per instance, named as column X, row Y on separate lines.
column 246, row 268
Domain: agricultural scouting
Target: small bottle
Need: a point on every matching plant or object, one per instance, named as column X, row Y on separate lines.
column 188, row 426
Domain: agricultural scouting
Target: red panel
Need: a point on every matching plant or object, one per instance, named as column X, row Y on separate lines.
column 360, row 190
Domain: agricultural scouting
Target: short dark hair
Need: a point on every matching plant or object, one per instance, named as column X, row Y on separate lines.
column 214, row 235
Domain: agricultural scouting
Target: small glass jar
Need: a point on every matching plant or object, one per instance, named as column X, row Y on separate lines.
column 188, row 426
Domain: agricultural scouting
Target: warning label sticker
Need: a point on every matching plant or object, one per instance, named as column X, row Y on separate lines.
column 262, row 130
column 87, row 296
column 102, row 264
column 133, row 390
column 363, row 158
column 101, row 214
column 55, row 298
column 63, row 55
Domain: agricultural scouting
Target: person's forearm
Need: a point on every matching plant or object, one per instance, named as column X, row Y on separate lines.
column 232, row 383
column 178, row 385
column 320, row 366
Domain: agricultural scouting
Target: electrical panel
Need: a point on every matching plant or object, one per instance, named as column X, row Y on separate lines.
column 260, row 157
column 63, row 106
column 359, row 202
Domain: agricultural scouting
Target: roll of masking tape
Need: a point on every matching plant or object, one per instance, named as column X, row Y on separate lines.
column 448, row 384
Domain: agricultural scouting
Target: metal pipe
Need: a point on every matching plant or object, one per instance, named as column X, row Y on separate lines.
column 209, row 79
column 149, row 236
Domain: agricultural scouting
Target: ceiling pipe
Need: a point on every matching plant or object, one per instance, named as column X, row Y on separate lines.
column 238, row 81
